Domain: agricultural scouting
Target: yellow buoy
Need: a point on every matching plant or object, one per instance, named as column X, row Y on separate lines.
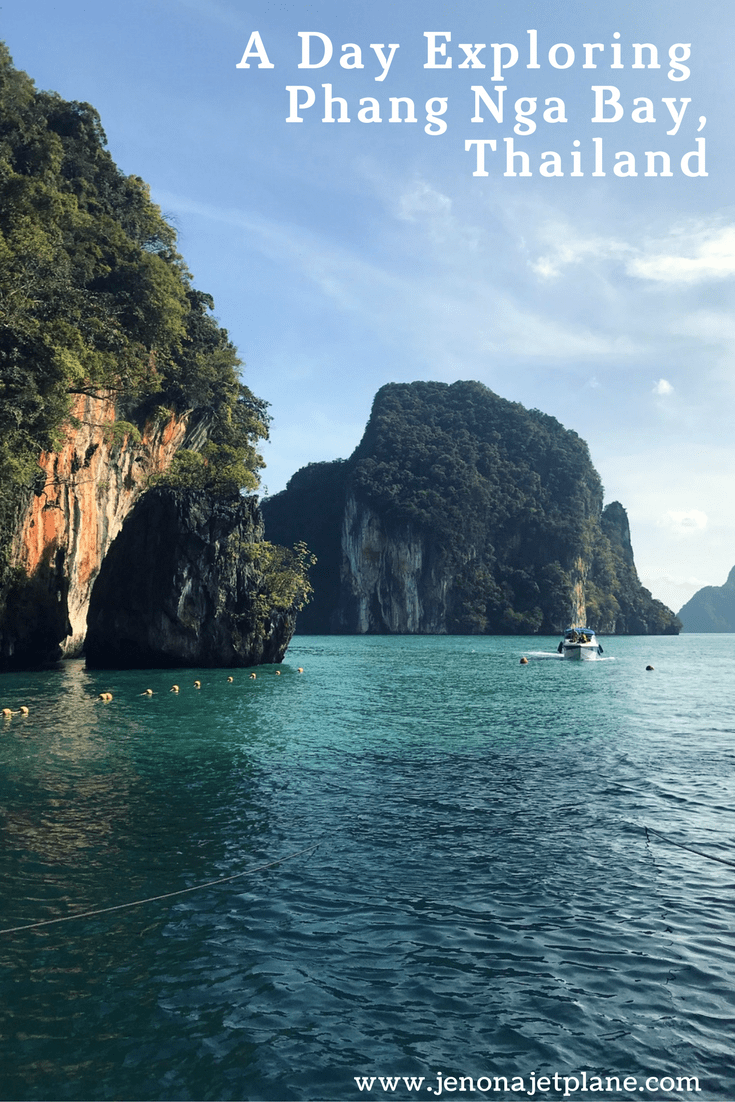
column 23, row 710
column 524, row 661
column 230, row 678
column 300, row 669
column 7, row 713
column 197, row 684
column 278, row 673
column 252, row 677
column 174, row 689
column 148, row 692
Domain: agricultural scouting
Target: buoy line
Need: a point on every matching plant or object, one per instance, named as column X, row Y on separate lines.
column 709, row 856
column 155, row 898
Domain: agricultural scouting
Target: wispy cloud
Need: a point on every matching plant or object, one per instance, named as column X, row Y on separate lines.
column 564, row 246
column 421, row 201
column 442, row 284
column 466, row 319
column 696, row 258
column 688, row 255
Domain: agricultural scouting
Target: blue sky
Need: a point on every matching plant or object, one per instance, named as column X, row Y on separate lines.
column 344, row 255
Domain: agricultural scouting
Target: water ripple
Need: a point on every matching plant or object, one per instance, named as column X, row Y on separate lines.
column 483, row 900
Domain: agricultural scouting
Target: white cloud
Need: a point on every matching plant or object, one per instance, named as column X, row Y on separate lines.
column 688, row 255
column 422, row 201
column 662, row 388
column 698, row 256
column 684, row 524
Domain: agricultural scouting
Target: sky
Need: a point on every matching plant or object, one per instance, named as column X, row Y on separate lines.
column 346, row 254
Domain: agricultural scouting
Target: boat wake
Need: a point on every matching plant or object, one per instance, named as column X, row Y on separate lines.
column 542, row 655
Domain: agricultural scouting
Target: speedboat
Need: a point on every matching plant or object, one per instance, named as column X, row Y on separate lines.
column 579, row 643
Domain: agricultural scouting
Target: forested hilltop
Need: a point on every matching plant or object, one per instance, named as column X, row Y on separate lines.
column 95, row 299
column 462, row 512
column 106, row 350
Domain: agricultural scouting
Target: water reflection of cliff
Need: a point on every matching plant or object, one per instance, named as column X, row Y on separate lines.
column 108, row 802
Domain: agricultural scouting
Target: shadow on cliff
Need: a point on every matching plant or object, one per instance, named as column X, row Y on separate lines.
column 189, row 581
column 36, row 614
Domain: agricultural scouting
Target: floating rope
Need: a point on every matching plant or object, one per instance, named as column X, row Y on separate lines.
column 709, row 856
column 155, row 898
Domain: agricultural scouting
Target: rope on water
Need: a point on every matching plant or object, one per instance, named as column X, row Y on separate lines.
column 155, row 898
column 709, row 856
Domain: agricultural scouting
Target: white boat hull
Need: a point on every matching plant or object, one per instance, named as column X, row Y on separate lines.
column 584, row 652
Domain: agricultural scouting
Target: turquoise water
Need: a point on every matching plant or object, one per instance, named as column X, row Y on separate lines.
column 483, row 900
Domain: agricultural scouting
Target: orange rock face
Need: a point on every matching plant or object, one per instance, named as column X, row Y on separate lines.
column 92, row 482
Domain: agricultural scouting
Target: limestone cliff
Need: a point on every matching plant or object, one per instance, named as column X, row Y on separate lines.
column 84, row 492
column 185, row 583
column 614, row 595
column 393, row 579
column 461, row 512
column 113, row 367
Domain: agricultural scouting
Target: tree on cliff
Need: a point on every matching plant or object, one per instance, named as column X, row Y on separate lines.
column 94, row 298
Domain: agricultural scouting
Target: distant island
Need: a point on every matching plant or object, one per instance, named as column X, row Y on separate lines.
column 712, row 608
column 461, row 512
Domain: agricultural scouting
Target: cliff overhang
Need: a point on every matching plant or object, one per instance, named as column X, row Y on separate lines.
column 70, row 516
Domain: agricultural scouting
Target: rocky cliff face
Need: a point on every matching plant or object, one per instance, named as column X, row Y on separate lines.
column 99, row 307
column 614, row 595
column 392, row 579
column 461, row 512
column 712, row 608
column 183, row 584
column 136, row 576
column 84, row 492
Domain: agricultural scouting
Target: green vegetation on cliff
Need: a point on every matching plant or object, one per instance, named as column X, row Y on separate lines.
column 95, row 299
column 505, row 503
column 712, row 608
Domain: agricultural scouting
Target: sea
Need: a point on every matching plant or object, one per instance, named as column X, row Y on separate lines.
column 391, row 867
